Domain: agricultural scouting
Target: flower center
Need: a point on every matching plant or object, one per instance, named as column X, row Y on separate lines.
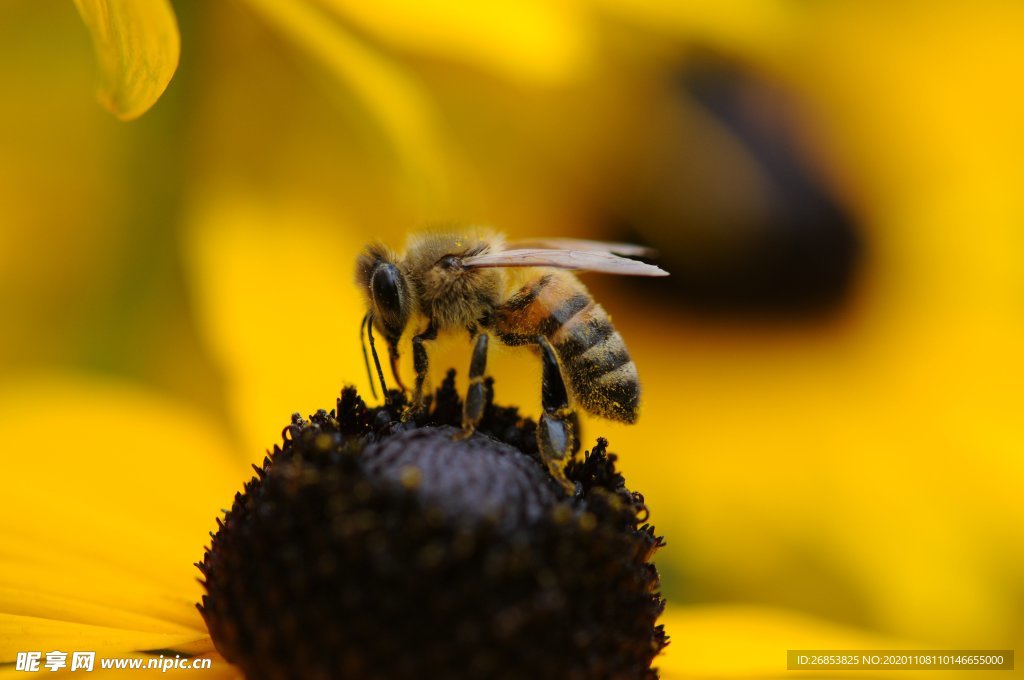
column 370, row 548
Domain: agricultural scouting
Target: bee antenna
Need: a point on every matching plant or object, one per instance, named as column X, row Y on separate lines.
column 376, row 360
column 366, row 357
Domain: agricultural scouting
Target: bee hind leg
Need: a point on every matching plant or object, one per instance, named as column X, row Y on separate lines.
column 556, row 431
column 476, row 395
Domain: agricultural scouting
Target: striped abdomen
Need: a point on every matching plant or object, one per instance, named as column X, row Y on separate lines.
column 593, row 357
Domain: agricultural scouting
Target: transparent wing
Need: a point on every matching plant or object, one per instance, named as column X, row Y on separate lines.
column 624, row 249
column 589, row 260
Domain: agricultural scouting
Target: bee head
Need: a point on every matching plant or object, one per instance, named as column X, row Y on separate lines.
column 387, row 292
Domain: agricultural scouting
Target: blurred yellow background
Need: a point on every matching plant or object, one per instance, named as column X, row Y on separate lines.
column 831, row 420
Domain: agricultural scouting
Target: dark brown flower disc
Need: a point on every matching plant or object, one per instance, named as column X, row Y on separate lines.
column 370, row 548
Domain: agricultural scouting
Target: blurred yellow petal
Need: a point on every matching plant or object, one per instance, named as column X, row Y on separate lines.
column 531, row 41
column 869, row 468
column 278, row 308
column 137, row 46
column 745, row 641
column 810, row 502
column 79, row 607
column 740, row 26
column 27, row 633
column 126, row 487
column 394, row 99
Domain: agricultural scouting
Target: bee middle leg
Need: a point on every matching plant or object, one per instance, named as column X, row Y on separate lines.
column 556, row 431
column 476, row 395
column 420, row 363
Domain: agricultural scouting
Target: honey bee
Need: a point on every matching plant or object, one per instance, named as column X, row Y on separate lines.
column 521, row 293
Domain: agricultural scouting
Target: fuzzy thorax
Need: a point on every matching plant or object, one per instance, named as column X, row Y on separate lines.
column 453, row 297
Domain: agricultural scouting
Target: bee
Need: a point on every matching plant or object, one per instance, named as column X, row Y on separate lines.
column 521, row 293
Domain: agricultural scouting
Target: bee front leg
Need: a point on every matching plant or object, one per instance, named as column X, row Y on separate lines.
column 420, row 363
column 556, row 434
column 476, row 397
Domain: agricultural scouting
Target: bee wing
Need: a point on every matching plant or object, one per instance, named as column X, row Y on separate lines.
column 624, row 249
column 589, row 260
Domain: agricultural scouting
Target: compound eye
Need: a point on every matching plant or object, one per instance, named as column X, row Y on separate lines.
column 386, row 287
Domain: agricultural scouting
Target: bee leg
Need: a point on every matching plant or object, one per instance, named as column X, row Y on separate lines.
column 395, row 372
column 420, row 363
column 476, row 395
column 556, row 434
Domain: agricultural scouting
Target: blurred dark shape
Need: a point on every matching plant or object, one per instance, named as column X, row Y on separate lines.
column 734, row 203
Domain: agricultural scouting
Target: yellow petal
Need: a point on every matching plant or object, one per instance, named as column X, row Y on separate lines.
column 278, row 308
column 118, row 490
column 391, row 96
column 28, row 633
column 747, row 641
column 532, row 41
column 751, row 27
column 864, row 466
column 28, row 599
column 137, row 46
